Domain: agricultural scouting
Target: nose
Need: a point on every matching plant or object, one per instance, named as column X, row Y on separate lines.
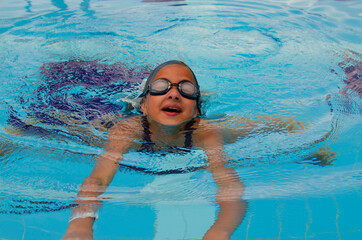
column 174, row 93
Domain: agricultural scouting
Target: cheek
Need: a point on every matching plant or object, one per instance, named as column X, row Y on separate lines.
column 152, row 103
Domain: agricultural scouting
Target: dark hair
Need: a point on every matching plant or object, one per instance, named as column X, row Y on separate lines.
column 159, row 67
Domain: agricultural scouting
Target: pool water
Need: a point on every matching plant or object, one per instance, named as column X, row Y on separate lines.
column 70, row 68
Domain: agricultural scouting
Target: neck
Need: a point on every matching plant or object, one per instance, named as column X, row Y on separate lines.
column 161, row 129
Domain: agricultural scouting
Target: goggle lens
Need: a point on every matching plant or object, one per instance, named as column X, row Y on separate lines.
column 159, row 86
column 186, row 88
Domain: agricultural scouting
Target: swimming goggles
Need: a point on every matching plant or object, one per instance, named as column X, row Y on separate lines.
column 161, row 86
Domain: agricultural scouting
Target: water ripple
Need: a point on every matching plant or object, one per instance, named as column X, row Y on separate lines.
column 65, row 62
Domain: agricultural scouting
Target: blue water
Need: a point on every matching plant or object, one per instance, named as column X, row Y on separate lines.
column 68, row 67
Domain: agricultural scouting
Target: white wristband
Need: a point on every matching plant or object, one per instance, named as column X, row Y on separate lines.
column 84, row 215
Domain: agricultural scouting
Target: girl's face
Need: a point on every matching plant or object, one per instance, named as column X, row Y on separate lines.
column 171, row 108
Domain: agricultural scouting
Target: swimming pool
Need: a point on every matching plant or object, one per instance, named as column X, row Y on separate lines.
column 69, row 66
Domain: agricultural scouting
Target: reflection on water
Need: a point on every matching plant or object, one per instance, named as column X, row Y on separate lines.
column 59, row 4
column 71, row 96
column 69, row 67
column 163, row 0
column 348, row 101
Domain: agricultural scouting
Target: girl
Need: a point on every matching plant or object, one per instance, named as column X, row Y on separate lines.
column 171, row 121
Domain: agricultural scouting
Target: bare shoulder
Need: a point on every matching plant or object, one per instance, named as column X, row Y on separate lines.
column 207, row 134
column 125, row 130
column 126, row 126
column 205, row 127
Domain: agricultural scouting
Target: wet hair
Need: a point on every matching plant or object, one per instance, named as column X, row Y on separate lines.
column 151, row 77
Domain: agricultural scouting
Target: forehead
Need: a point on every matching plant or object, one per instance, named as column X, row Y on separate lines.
column 175, row 72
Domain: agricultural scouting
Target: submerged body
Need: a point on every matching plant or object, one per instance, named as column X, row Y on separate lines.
column 170, row 119
column 171, row 122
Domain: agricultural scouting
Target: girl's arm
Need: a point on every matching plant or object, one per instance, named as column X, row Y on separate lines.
column 232, row 207
column 83, row 215
column 233, row 128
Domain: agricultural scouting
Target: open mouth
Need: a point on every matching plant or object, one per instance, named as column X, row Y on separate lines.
column 172, row 109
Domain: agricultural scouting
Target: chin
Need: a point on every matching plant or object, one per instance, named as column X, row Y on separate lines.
column 172, row 122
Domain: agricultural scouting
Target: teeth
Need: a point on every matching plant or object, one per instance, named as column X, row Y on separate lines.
column 171, row 109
